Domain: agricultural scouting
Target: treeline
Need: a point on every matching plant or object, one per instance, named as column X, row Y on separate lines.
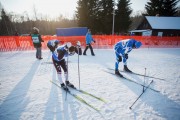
column 101, row 16
column 10, row 25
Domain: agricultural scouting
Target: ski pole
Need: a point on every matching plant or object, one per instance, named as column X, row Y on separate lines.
column 67, row 72
column 78, row 68
column 140, row 95
column 144, row 79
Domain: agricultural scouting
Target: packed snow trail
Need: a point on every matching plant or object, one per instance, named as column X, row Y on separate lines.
column 27, row 94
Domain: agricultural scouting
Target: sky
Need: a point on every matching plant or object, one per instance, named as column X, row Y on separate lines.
column 54, row 8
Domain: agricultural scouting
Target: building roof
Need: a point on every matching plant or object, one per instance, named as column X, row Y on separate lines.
column 164, row 22
column 139, row 30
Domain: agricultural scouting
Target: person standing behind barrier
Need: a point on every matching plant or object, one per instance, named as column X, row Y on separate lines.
column 36, row 38
column 16, row 33
column 121, row 49
column 89, row 40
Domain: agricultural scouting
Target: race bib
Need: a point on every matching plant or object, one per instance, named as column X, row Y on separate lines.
column 35, row 39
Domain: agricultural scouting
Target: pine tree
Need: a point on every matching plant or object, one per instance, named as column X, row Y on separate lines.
column 154, row 7
column 170, row 8
column 94, row 15
column 122, row 19
column 106, row 16
column 87, row 14
column 82, row 13
column 5, row 24
column 161, row 7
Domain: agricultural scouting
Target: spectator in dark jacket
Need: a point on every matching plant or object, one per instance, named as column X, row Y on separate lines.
column 36, row 38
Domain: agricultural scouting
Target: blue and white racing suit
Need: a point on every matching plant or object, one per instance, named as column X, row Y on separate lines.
column 121, row 48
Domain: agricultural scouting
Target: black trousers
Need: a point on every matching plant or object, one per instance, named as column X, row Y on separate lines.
column 59, row 64
column 91, row 49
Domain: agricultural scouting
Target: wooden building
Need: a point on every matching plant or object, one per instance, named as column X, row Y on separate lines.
column 158, row 26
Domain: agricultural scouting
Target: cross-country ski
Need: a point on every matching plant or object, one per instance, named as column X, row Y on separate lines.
column 77, row 97
column 130, row 80
column 140, row 74
column 85, row 92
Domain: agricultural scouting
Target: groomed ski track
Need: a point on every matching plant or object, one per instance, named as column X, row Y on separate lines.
column 27, row 94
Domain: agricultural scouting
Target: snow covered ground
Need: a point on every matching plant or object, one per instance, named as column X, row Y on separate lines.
column 26, row 92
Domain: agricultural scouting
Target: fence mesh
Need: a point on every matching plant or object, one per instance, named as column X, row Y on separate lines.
column 15, row 43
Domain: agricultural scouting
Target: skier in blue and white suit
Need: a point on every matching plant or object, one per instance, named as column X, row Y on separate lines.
column 122, row 48
column 59, row 53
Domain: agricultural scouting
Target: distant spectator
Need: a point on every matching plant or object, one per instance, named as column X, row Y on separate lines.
column 17, row 38
column 16, row 33
column 89, row 40
column 36, row 38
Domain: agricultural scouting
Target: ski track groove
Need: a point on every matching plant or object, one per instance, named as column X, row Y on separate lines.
column 42, row 100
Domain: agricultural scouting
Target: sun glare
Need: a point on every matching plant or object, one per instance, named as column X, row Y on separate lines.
column 55, row 8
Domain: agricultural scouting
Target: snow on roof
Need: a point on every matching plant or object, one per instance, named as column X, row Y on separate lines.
column 139, row 30
column 164, row 22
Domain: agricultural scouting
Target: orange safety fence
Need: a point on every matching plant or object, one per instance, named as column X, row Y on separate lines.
column 13, row 43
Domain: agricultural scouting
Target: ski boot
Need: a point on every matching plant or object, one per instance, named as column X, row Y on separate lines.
column 64, row 87
column 126, row 69
column 84, row 53
column 69, row 84
column 118, row 73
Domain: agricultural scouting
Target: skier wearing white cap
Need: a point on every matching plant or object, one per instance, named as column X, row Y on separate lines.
column 59, row 53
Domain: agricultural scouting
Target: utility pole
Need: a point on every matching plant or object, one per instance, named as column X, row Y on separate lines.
column 113, row 18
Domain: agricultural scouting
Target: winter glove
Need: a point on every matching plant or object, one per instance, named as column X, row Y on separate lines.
column 67, row 46
column 78, row 43
column 94, row 41
column 120, row 59
column 126, row 56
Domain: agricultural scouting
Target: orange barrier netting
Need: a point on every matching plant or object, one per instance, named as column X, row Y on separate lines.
column 11, row 43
